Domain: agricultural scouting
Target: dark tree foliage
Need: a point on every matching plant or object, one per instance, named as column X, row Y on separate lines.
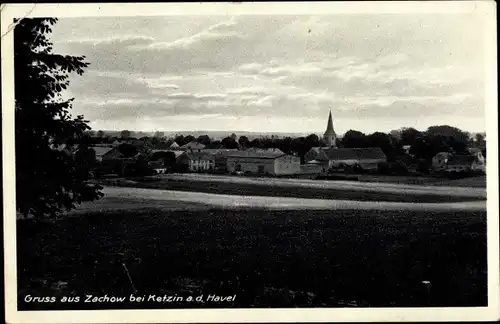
column 243, row 141
column 312, row 140
column 128, row 150
column 354, row 138
column 49, row 179
column 189, row 139
column 204, row 139
column 125, row 133
column 229, row 143
column 409, row 136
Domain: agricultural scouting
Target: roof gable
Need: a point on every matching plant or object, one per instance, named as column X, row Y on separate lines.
column 100, row 151
column 193, row 145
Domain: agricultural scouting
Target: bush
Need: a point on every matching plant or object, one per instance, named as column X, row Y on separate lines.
column 399, row 168
column 423, row 166
column 383, row 168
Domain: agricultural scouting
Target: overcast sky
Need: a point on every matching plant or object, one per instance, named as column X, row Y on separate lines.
column 278, row 73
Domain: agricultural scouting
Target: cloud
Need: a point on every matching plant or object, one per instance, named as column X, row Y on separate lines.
column 360, row 66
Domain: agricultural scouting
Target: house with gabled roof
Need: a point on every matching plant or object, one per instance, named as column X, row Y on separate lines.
column 197, row 161
column 106, row 153
column 263, row 162
column 193, row 145
column 367, row 158
column 173, row 146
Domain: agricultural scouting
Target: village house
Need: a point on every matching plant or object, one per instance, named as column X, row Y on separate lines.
column 406, row 149
column 440, row 160
column 197, row 161
column 263, row 162
column 448, row 162
column 192, row 146
column 367, row 158
column 478, row 153
column 157, row 166
column 220, row 157
column 173, row 146
column 106, row 153
column 460, row 163
column 176, row 153
column 272, row 149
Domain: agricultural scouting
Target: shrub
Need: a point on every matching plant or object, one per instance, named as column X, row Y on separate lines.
column 399, row 168
column 383, row 168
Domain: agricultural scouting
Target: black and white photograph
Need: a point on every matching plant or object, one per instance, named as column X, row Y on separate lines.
column 217, row 162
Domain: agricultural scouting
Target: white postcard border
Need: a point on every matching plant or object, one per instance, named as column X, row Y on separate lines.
column 9, row 11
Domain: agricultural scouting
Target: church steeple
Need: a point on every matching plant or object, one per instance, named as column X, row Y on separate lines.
column 329, row 136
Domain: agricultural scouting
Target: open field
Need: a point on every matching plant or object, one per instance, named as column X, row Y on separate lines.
column 301, row 188
column 126, row 198
column 267, row 258
column 472, row 182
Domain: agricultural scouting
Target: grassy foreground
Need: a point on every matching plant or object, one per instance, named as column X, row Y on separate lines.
column 265, row 258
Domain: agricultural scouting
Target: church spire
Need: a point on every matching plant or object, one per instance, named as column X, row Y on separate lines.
column 329, row 126
column 329, row 137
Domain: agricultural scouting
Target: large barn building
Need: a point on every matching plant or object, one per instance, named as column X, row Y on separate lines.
column 263, row 162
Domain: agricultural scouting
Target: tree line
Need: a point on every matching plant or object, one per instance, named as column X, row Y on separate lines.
column 423, row 144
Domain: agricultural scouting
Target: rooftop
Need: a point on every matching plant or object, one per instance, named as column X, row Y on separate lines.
column 374, row 153
column 256, row 154
column 195, row 155
column 461, row 160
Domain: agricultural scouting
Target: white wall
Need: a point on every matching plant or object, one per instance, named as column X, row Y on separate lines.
column 250, row 165
column 287, row 164
column 201, row 165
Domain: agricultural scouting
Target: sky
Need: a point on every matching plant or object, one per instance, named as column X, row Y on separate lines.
column 278, row 73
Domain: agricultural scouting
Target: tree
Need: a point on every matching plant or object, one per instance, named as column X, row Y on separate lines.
column 180, row 140
column 168, row 158
column 159, row 134
column 229, row 143
column 125, row 134
column 100, row 134
column 383, row 141
column 128, row 150
column 312, row 140
column 353, row 139
column 204, row 139
column 189, row 139
column 479, row 140
column 48, row 179
column 409, row 136
column 243, row 141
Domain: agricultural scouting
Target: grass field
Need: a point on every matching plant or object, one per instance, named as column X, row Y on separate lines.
column 269, row 189
column 474, row 182
column 266, row 258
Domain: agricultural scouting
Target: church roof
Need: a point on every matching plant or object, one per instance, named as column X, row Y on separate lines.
column 329, row 126
column 368, row 153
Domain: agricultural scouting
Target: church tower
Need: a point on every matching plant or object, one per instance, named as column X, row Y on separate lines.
column 329, row 137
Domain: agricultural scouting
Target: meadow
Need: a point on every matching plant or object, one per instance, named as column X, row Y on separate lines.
column 267, row 258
